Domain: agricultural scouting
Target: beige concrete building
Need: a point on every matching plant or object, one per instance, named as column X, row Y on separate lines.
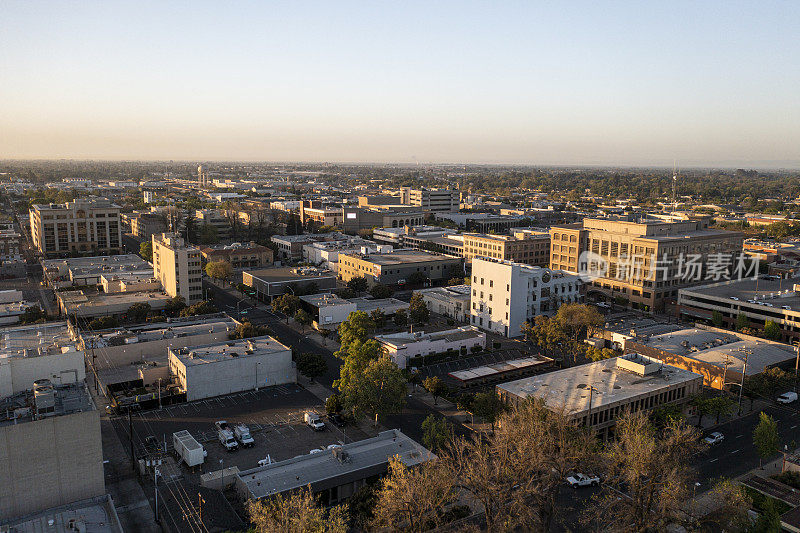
column 239, row 255
column 642, row 262
column 83, row 226
column 431, row 200
column 41, row 431
column 527, row 246
column 177, row 267
column 396, row 268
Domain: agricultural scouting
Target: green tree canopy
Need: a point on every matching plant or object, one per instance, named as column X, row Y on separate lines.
column 312, row 365
column 765, row 437
column 219, row 270
column 358, row 285
column 146, row 251
column 417, row 310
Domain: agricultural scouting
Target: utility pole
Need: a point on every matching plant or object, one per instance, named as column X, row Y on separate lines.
column 741, row 386
column 796, row 363
column 130, row 435
column 589, row 418
column 155, row 478
column 159, row 393
column 94, row 363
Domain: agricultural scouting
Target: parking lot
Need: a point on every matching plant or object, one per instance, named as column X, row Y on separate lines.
column 274, row 416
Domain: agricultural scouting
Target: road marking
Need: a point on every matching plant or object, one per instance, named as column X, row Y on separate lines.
column 735, row 451
column 714, row 459
column 792, row 427
column 739, row 436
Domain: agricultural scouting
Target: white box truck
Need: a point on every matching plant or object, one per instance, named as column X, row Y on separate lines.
column 188, row 449
column 242, row 434
column 312, row 420
column 225, row 436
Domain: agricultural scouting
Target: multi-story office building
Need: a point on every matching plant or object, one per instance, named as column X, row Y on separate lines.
column 643, row 262
column 215, row 218
column 397, row 267
column 597, row 394
column 81, row 226
column 531, row 247
column 505, row 294
column 239, row 255
column 147, row 224
column 177, row 267
column 431, row 200
column 51, row 452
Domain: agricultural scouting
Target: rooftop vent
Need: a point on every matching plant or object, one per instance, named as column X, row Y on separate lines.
column 639, row 364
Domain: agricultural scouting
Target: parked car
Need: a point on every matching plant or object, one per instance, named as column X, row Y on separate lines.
column 787, row 397
column 582, row 480
column 714, row 438
column 336, row 419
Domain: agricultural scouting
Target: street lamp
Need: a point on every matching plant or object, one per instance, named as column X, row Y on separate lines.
column 589, row 418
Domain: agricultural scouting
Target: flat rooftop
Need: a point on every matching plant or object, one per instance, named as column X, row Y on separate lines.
column 99, row 264
column 636, row 325
column 277, row 275
column 449, row 335
column 322, row 470
column 75, row 300
column 324, row 299
column 215, row 353
column 159, row 331
column 70, row 398
column 446, row 294
column 402, row 257
column 30, row 341
column 387, row 305
column 569, row 388
column 97, row 516
column 495, row 369
column 767, row 290
column 718, row 348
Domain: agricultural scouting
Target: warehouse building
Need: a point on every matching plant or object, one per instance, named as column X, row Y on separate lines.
column 335, row 474
column 271, row 282
column 212, row 370
column 596, row 394
column 404, row 345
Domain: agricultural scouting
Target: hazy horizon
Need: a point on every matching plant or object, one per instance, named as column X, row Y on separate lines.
column 618, row 84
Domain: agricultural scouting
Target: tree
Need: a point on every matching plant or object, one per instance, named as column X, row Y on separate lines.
column 664, row 415
column 219, row 270
column 716, row 319
column 356, row 355
column 175, row 305
column 32, row 315
column 358, row 285
column 381, row 291
column 400, row 317
column 436, row 432
column 286, row 304
column 412, row 499
column 379, row 390
column 358, row 327
column 488, row 406
column 246, row 330
column 333, row 403
column 324, row 333
column 720, row 406
column 138, row 311
column 702, row 406
column 734, row 505
column 765, row 437
column 298, row 512
column 435, row 386
column 417, row 278
column 302, row 318
column 418, row 311
column 455, row 281
column 312, row 365
column 742, row 322
column 146, row 251
column 378, row 318
column 769, row 520
column 652, row 466
column 200, row 308
column 772, row 330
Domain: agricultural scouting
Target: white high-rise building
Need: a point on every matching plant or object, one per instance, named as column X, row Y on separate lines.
column 177, row 267
column 505, row 294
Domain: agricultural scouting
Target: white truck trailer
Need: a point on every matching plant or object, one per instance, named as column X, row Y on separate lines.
column 188, row 449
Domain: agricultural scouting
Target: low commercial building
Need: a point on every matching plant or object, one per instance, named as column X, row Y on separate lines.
column 720, row 356
column 596, row 394
column 28, row 353
column 453, row 301
column 359, row 218
column 759, row 300
column 505, row 294
column 483, row 375
column 216, row 369
column 250, row 255
column 290, row 247
column 397, row 235
column 97, row 515
column 41, row 429
column 329, row 310
column 271, row 282
column 397, row 267
column 89, row 304
column 326, row 254
column 88, row 270
column 335, row 474
column 403, row 346
column 482, row 222
column 446, row 244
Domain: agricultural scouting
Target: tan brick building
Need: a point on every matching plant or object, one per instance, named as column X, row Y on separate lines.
column 523, row 246
column 396, row 267
column 83, row 226
column 641, row 260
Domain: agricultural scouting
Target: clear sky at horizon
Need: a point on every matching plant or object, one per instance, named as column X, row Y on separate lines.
column 592, row 83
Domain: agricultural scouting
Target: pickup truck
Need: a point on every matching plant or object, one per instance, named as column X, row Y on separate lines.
column 225, row 436
column 242, row 434
column 787, row 397
column 582, row 480
column 312, row 420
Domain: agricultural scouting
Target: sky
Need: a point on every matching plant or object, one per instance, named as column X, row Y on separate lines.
column 708, row 83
